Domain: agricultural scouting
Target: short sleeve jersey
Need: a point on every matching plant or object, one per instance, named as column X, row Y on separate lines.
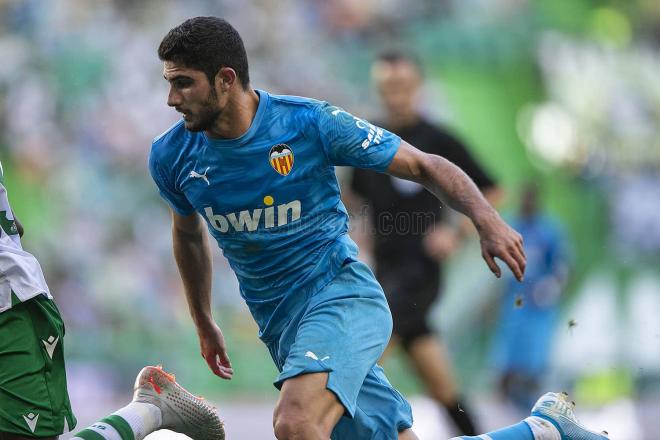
column 270, row 197
column 21, row 277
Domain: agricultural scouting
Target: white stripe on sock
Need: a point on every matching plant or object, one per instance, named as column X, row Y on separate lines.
column 143, row 418
column 542, row 429
column 485, row 437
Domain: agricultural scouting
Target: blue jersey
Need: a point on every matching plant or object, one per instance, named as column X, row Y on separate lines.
column 270, row 197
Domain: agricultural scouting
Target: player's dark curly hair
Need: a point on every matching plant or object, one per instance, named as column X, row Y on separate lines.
column 206, row 44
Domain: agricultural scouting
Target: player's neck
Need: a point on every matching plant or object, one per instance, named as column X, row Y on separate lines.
column 237, row 116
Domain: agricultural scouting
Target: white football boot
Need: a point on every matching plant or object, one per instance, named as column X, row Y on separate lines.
column 181, row 411
column 556, row 408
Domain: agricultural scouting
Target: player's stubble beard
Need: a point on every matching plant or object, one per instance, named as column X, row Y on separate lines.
column 208, row 114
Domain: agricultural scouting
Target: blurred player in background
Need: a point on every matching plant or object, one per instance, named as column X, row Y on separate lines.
column 34, row 401
column 408, row 262
column 257, row 171
column 529, row 310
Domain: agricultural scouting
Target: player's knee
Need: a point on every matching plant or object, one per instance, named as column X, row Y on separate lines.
column 289, row 420
column 289, row 429
column 294, row 425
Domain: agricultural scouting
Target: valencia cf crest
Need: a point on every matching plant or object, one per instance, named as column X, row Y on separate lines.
column 281, row 158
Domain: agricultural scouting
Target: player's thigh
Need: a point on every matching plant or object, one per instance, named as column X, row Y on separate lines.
column 408, row 434
column 305, row 398
column 342, row 333
column 33, row 391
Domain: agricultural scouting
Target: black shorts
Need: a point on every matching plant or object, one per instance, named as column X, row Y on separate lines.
column 411, row 290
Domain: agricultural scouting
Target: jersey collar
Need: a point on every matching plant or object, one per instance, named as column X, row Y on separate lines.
column 264, row 100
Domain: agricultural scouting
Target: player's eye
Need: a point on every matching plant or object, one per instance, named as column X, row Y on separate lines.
column 182, row 83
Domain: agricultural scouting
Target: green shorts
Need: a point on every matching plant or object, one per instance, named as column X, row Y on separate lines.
column 34, row 401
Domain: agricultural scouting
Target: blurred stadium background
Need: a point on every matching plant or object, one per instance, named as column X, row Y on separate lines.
column 561, row 92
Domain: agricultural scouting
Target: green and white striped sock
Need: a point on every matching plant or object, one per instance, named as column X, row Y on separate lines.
column 133, row 422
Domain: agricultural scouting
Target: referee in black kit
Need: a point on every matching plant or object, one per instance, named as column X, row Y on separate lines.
column 407, row 261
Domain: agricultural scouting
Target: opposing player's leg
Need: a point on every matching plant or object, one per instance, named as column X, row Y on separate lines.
column 552, row 418
column 158, row 403
column 33, row 392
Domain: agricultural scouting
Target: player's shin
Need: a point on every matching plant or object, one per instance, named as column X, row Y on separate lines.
column 132, row 422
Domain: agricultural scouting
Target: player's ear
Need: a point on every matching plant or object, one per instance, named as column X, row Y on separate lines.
column 225, row 78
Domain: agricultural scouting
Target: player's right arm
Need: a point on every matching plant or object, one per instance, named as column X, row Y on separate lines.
column 193, row 258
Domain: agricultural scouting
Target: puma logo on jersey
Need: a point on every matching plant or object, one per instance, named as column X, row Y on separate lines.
column 312, row 355
column 50, row 345
column 195, row 175
column 31, row 420
column 268, row 217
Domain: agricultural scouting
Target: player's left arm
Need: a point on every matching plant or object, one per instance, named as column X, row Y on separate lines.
column 19, row 226
column 445, row 180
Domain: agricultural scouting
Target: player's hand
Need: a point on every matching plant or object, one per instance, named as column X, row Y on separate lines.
column 500, row 240
column 214, row 351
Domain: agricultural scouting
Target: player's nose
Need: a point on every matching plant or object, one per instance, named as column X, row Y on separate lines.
column 173, row 98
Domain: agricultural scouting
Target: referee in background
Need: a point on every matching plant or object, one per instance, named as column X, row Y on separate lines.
column 412, row 234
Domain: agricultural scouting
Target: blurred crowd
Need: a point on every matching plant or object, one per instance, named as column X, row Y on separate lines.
column 82, row 96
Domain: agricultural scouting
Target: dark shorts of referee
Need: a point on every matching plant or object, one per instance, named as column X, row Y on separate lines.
column 411, row 289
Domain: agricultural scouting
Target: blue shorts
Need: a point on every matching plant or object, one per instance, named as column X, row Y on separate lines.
column 343, row 330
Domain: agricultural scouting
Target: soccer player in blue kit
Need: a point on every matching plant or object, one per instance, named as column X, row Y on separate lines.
column 257, row 171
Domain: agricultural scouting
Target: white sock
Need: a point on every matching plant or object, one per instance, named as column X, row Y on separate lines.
column 542, row 429
column 143, row 418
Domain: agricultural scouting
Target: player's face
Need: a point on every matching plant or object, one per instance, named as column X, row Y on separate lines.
column 397, row 84
column 192, row 95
